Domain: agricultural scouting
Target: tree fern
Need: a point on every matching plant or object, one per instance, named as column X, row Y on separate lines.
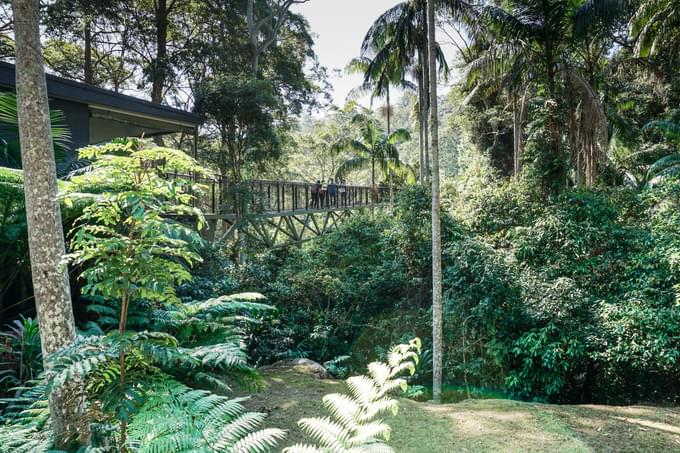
column 355, row 423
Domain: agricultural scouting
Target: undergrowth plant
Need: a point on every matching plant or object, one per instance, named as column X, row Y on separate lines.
column 355, row 423
column 133, row 251
column 20, row 354
column 177, row 418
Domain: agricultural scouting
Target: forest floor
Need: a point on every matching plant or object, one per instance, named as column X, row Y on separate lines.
column 484, row 425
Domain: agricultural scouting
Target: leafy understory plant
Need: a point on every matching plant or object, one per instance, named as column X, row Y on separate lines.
column 132, row 249
column 355, row 423
column 177, row 418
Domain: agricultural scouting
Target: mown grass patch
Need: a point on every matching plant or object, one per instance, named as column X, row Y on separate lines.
column 482, row 425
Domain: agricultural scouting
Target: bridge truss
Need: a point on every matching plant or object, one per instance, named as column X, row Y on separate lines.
column 275, row 214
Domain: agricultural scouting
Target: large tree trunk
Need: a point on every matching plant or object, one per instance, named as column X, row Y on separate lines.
column 87, row 64
column 436, row 224
column 161, row 63
column 45, row 235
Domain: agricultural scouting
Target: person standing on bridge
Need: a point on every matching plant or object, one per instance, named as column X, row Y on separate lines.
column 342, row 189
column 322, row 194
column 332, row 193
column 316, row 187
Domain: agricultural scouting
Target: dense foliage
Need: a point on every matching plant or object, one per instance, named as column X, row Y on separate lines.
column 575, row 299
column 560, row 231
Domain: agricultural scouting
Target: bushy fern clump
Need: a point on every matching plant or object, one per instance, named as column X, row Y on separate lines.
column 27, row 421
column 355, row 423
column 176, row 418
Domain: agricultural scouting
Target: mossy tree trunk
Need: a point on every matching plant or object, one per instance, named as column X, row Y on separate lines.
column 45, row 235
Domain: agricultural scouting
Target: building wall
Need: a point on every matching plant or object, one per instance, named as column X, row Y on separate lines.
column 77, row 120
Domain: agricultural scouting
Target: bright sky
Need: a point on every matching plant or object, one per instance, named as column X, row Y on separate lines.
column 340, row 26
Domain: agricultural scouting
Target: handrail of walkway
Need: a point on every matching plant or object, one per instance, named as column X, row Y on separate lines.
column 271, row 196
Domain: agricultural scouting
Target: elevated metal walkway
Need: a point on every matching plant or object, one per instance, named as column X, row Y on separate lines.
column 278, row 213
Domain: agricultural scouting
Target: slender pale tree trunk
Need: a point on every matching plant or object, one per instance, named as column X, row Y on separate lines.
column 45, row 235
column 426, row 86
column 515, row 147
column 426, row 113
column 517, row 132
column 436, row 223
column 421, row 106
column 389, row 131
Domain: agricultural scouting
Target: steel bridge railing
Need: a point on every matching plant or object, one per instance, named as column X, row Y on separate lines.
column 221, row 197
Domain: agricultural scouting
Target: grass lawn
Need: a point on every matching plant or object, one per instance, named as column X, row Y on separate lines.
column 489, row 425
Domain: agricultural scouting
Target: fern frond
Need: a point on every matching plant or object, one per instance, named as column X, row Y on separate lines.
column 327, row 432
column 369, row 433
column 301, row 448
column 178, row 418
column 259, row 442
column 354, row 425
column 343, row 408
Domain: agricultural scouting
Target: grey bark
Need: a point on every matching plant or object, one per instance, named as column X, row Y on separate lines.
column 421, row 130
column 436, row 222
column 519, row 117
column 389, row 131
column 45, row 235
column 426, row 112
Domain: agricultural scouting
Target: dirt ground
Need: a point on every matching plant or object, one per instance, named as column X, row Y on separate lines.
column 490, row 425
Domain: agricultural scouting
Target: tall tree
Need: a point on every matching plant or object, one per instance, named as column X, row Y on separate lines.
column 263, row 28
column 540, row 46
column 377, row 81
column 436, row 221
column 398, row 40
column 45, row 235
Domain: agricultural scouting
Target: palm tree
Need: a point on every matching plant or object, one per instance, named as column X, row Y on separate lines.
column 396, row 45
column 533, row 44
column 437, row 305
column 377, row 81
column 10, row 149
column 373, row 147
column 668, row 165
column 655, row 25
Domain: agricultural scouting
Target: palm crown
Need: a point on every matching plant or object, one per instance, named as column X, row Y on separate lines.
column 373, row 147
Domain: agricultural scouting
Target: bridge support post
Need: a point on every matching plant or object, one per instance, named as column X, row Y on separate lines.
column 208, row 233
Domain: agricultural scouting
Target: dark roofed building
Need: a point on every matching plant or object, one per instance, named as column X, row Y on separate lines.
column 95, row 115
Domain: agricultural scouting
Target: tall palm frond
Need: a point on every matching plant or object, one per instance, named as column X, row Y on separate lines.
column 654, row 24
column 373, row 147
column 10, row 150
column 599, row 16
column 351, row 165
